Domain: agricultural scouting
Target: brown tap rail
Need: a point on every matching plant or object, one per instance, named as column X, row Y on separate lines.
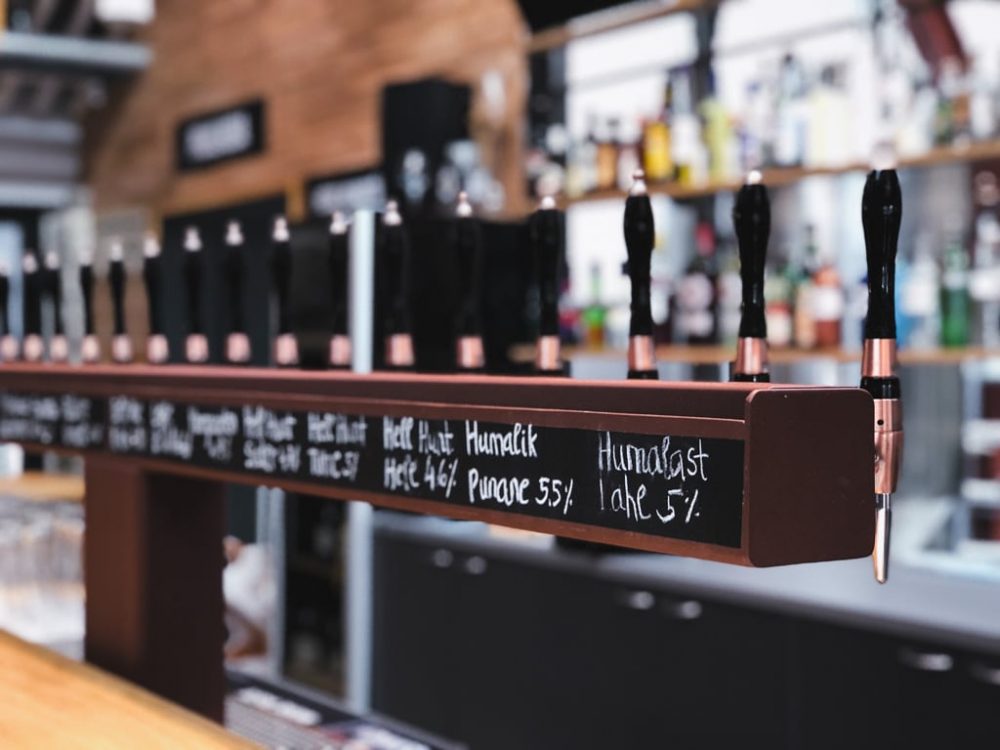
column 748, row 473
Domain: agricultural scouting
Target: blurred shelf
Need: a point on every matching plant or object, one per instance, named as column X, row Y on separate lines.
column 781, row 176
column 72, row 56
column 43, row 487
column 719, row 355
column 617, row 17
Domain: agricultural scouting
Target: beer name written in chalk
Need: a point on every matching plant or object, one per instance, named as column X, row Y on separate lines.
column 420, row 456
column 336, row 442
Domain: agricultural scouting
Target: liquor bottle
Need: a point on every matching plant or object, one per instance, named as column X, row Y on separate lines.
column 340, row 342
column 881, row 213
column 399, row 354
column 718, row 135
column 984, row 279
column 594, row 315
column 196, row 344
column 90, row 349
column 827, row 299
column 697, row 298
column 956, row 315
column 8, row 344
column 629, row 159
column 729, row 292
column 687, row 150
column 286, row 349
column 545, row 228
column 34, row 347
column 468, row 242
column 121, row 343
column 607, row 156
column 789, row 147
column 157, row 348
column 58, row 346
column 752, row 223
column 656, row 160
column 919, row 299
column 237, row 341
column 640, row 236
column 778, row 305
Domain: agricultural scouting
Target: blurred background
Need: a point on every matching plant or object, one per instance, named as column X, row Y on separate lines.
column 118, row 117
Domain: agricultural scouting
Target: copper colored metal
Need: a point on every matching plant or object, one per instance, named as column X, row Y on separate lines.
column 121, row 348
column 751, row 356
column 340, row 350
column 548, row 354
column 641, row 353
column 469, row 353
column 888, row 443
column 286, row 350
column 59, row 349
column 238, row 348
column 399, row 350
column 878, row 358
column 9, row 348
column 157, row 349
column 34, row 348
column 196, row 348
column 90, row 350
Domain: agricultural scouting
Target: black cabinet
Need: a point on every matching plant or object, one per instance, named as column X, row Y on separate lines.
column 501, row 654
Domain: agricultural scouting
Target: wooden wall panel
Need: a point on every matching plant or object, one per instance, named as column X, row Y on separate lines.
column 320, row 65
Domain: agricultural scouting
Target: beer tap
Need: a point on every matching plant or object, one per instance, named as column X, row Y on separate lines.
column 157, row 347
column 340, row 342
column 396, row 248
column 196, row 344
column 639, row 240
column 34, row 347
column 469, row 354
column 752, row 222
column 58, row 346
column 121, row 343
column 546, row 238
column 881, row 213
column 237, row 342
column 90, row 348
column 286, row 348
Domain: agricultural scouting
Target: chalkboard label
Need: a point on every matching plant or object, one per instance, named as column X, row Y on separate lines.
column 677, row 486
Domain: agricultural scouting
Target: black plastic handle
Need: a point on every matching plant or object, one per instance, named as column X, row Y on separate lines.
column 235, row 273
column 396, row 254
column 752, row 223
column 87, row 292
column 152, row 276
column 33, row 301
column 54, row 286
column 468, row 241
column 4, row 301
column 881, row 215
column 116, row 275
column 338, row 276
column 192, row 280
column 546, row 233
column 281, row 274
column 640, row 235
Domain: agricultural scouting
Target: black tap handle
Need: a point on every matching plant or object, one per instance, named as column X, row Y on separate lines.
column 281, row 274
column 640, row 236
column 192, row 279
column 116, row 274
column 396, row 252
column 235, row 273
column 338, row 275
column 54, row 288
column 546, row 234
column 881, row 214
column 752, row 222
column 469, row 257
column 152, row 276
column 4, row 301
column 87, row 292
column 33, row 301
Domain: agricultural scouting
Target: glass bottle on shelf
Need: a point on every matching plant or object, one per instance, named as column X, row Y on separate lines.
column 984, row 279
column 730, row 296
column 955, row 306
column 697, row 291
column 594, row 315
column 607, row 156
column 791, row 111
column 778, row 306
column 685, row 140
column 919, row 298
column 800, row 280
column 656, row 159
column 628, row 158
column 827, row 299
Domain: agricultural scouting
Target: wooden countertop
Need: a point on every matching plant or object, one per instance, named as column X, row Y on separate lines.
column 49, row 701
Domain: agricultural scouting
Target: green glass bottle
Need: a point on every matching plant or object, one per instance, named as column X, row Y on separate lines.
column 594, row 315
column 956, row 318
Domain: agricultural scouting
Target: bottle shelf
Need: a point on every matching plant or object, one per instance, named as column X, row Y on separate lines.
column 783, row 176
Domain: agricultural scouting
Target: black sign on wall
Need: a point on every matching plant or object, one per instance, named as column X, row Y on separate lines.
column 215, row 137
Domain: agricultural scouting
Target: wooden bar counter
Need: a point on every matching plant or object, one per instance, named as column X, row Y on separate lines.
column 47, row 700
